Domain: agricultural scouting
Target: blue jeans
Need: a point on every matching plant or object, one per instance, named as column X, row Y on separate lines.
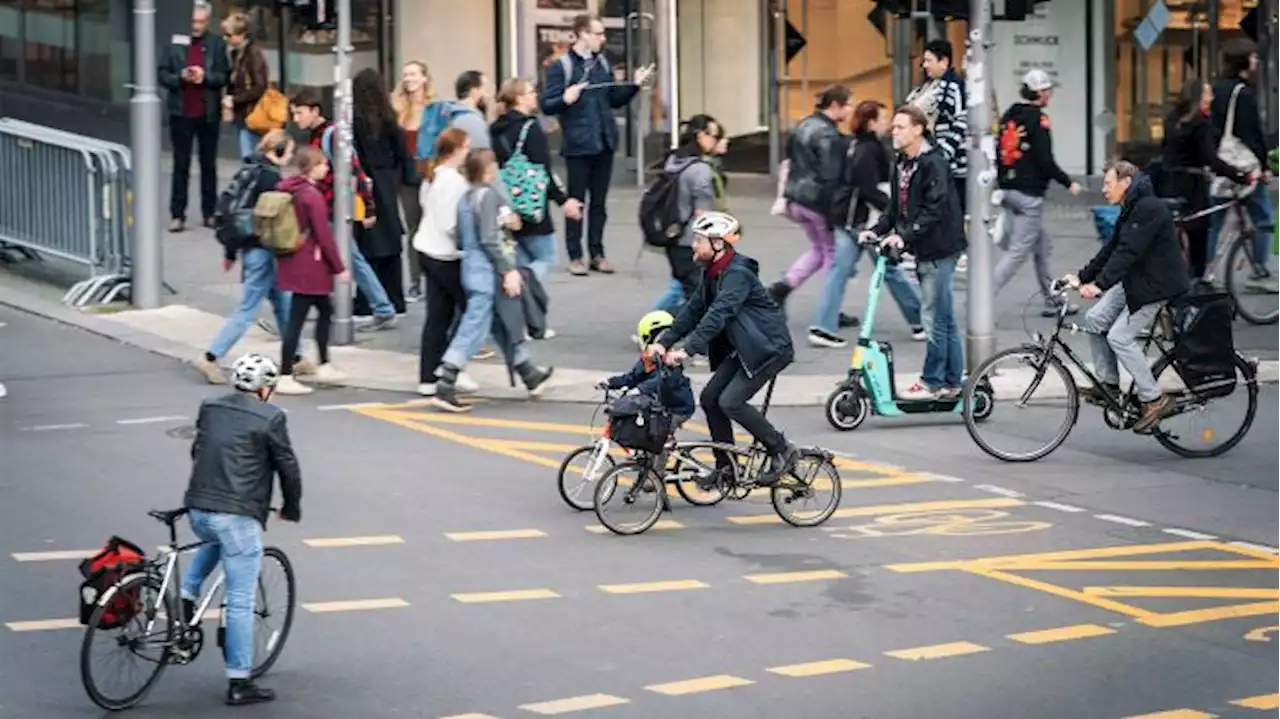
column 246, row 141
column 672, row 299
column 1263, row 215
column 258, row 273
column 237, row 541
column 844, row 269
column 369, row 284
column 944, row 355
column 538, row 253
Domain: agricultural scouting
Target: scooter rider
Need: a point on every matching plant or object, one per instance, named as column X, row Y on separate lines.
column 734, row 322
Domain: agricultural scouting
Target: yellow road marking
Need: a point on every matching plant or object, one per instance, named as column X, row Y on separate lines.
column 1064, row 592
column 41, row 625
column 871, row 511
column 702, row 684
column 466, row 440
column 1054, row 560
column 789, row 577
column 355, row 605
column 1262, row 701
column 1062, row 634
column 496, row 423
column 646, row 587
column 575, row 704
column 470, row 716
column 894, row 481
column 1259, row 634
column 660, row 524
column 1176, row 714
column 856, row 465
column 817, row 669
column 495, row 534
column 1195, row 616
column 517, row 595
column 54, row 556
column 354, row 541
column 937, row 651
column 1152, row 565
column 1203, row 592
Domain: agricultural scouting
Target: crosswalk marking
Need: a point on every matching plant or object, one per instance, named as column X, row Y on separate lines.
column 937, row 651
column 699, row 685
column 41, row 625
column 1262, row 702
column 789, row 577
column 354, row 541
column 647, row 587
column 54, row 556
column 509, row 596
column 575, row 704
column 871, row 511
column 817, row 669
column 354, row 605
column 495, row 535
column 1061, row 634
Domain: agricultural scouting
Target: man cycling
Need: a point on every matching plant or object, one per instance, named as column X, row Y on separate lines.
column 734, row 322
column 241, row 444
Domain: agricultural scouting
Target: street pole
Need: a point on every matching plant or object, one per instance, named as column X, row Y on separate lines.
column 1214, row 12
column 980, row 334
column 144, row 138
column 343, row 199
column 774, row 20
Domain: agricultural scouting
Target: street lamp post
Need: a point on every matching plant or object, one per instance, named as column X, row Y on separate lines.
column 343, row 199
column 144, row 137
column 980, row 331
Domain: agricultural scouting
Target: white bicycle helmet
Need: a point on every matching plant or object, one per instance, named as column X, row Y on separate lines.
column 253, row 372
column 715, row 225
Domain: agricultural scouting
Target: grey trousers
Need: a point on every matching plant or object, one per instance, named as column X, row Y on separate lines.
column 1113, row 334
column 1028, row 237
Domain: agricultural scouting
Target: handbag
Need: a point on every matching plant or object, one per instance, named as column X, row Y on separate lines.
column 269, row 113
column 526, row 181
column 1233, row 152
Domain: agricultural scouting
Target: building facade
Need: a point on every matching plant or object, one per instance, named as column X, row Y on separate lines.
column 63, row 61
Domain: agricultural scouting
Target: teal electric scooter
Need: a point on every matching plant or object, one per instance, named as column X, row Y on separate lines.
column 869, row 387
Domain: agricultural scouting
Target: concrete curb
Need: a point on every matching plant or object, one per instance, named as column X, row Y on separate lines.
column 181, row 333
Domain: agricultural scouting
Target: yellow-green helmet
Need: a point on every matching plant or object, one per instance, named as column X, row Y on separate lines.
column 652, row 324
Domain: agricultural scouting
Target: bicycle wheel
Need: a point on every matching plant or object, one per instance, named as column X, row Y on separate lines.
column 142, row 644
column 1028, row 391
column 814, row 478
column 273, row 608
column 580, row 471
column 629, row 498
column 1202, row 417
column 1254, row 292
column 686, row 467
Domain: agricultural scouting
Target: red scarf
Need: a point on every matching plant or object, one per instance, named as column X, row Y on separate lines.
column 719, row 265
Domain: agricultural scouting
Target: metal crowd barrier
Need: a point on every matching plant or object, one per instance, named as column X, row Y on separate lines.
column 69, row 196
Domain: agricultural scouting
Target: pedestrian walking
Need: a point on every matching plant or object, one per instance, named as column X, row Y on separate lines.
column 409, row 100
column 581, row 91
column 248, row 80
column 194, row 69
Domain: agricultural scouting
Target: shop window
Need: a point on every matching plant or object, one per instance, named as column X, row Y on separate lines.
column 103, row 59
column 50, row 48
column 10, row 38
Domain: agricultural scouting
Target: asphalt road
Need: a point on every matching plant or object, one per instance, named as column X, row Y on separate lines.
column 1110, row 580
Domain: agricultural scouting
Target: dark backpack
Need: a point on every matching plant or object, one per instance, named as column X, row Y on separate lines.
column 1204, row 350
column 639, row 422
column 233, row 212
column 661, row 222
column 118, row 558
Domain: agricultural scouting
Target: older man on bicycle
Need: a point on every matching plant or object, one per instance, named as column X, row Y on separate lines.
column 1135, row 274
column 241, row 443
column 734, row 322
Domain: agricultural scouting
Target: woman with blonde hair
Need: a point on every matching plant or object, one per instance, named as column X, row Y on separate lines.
column 248, row 81
column 409, row 100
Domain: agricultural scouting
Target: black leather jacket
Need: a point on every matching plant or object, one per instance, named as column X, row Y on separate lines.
column 815, row 157
column 241, row 443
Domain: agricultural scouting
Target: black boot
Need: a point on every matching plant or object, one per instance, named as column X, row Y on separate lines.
column 534, row 377
column 781, row 463
column 244, row 691
column 446, row 396
column 779, row 291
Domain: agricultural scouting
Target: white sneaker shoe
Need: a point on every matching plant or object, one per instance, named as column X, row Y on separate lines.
column 427, row 389
column 328, row 374
column 465, row 384
column 3, row 391
column 290, row 386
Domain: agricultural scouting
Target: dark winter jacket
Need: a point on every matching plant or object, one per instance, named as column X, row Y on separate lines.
column 248, row 79
column 241, row 444
column 670, row 386
column 731, row 315
column 505, row 135
column 1144, row 254
column 173, row 60
column 310, row 270
column 815, row 159
column 587, row 126
column 1189, row 152
column 1024, row 151
column 927, row 214
column 389, row 166
column 866, row 165
column 1248, row 121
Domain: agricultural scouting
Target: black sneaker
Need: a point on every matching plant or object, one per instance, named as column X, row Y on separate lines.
column 714, row 478
column 822, row 338
column 779, row 291
column 188, row 610
column 849, row 321
column 535, row 378
column 780, row 465
column 446, row 398
column 241, row 692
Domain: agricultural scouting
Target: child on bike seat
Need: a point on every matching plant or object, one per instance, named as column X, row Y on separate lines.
column 669, row 386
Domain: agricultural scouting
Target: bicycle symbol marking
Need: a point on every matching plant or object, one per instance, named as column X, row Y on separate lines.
column 946, row 523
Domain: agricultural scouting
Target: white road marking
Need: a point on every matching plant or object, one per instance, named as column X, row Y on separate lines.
column 943, row 477
column 1059, row 507
column 54, row 427
column 54, row 556
column 1251, row 545
column 1188, row 533
column 352, row 405
column 1130, row 521
column 152, row 420
column 997, row 490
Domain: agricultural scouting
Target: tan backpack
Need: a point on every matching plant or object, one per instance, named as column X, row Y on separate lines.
column 275, row 224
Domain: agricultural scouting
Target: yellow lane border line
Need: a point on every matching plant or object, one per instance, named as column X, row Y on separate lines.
column 574, row 704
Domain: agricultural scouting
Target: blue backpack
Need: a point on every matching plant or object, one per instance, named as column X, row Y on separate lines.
column 435, row 119
column 525, row 180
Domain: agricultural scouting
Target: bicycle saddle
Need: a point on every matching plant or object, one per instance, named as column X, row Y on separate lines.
column 167, row 516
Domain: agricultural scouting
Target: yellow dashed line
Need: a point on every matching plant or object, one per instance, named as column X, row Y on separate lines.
column 1175, row 714
column 575, row 704
column 1262, row 701
column 789, row 577
column 1062, row 634
column 355, row 605
column 54, row 556
column 661, row 524
column 517, row 595
column 696, row 686
column 354, row 541
column 41, row 625
column 470, row 716
column 817, row 669
column 894, row 481
column 937, row 651
column 647, row 587
column 494, row 535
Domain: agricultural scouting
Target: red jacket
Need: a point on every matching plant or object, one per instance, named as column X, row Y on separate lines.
column 310, row 270
column 364, row 187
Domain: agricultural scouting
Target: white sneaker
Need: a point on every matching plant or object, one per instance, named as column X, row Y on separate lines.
column 328, row 374
column 465, row 384
column 427, row 389
column 962, row 265
column 918, row 334
column 547, row 334
column 918, row 391
column 290, row 386
column 3, row 391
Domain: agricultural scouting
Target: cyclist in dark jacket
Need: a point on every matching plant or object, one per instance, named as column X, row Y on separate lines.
column 733, row 321
column 241, row 443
